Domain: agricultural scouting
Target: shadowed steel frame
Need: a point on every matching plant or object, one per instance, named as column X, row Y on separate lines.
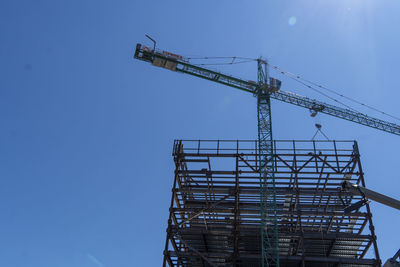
column 215, row 217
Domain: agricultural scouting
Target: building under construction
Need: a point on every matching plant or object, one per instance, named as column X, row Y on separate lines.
column 215, row 206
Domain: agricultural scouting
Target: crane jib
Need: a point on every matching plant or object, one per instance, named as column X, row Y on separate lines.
column 178, row 63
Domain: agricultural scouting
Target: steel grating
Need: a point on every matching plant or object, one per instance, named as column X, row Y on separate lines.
column 215, row 206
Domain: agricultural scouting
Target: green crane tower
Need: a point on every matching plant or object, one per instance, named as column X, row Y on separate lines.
column 269, row 225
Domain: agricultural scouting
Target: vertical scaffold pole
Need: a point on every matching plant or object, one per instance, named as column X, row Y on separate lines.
column 269, row 225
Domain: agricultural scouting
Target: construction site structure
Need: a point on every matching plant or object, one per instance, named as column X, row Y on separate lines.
column 266, row 88
column 215, row 205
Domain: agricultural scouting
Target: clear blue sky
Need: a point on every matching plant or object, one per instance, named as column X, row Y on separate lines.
column 87, row 131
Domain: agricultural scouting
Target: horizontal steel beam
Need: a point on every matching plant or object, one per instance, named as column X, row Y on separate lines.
column 336, row 260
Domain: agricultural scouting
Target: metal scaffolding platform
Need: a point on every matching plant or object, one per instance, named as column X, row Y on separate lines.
column 215, row 206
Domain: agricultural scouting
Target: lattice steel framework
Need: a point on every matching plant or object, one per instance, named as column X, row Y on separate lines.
column 269, row 227
column 215, row 214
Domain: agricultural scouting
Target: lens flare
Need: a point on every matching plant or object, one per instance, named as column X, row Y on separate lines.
column 292, row 21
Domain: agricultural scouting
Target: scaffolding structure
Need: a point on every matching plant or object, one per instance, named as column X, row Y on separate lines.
column 215, row 217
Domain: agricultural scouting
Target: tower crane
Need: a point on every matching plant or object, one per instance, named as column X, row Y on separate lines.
column 265, row 89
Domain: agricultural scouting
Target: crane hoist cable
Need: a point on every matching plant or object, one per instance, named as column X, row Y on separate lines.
column 243, row 60
column 226, row 63
column 199, row 57
column 298, row 77
column 319, row 126
column 318, row 91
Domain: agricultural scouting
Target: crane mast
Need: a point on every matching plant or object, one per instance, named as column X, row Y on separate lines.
column 264, row 90
column 269, row 225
